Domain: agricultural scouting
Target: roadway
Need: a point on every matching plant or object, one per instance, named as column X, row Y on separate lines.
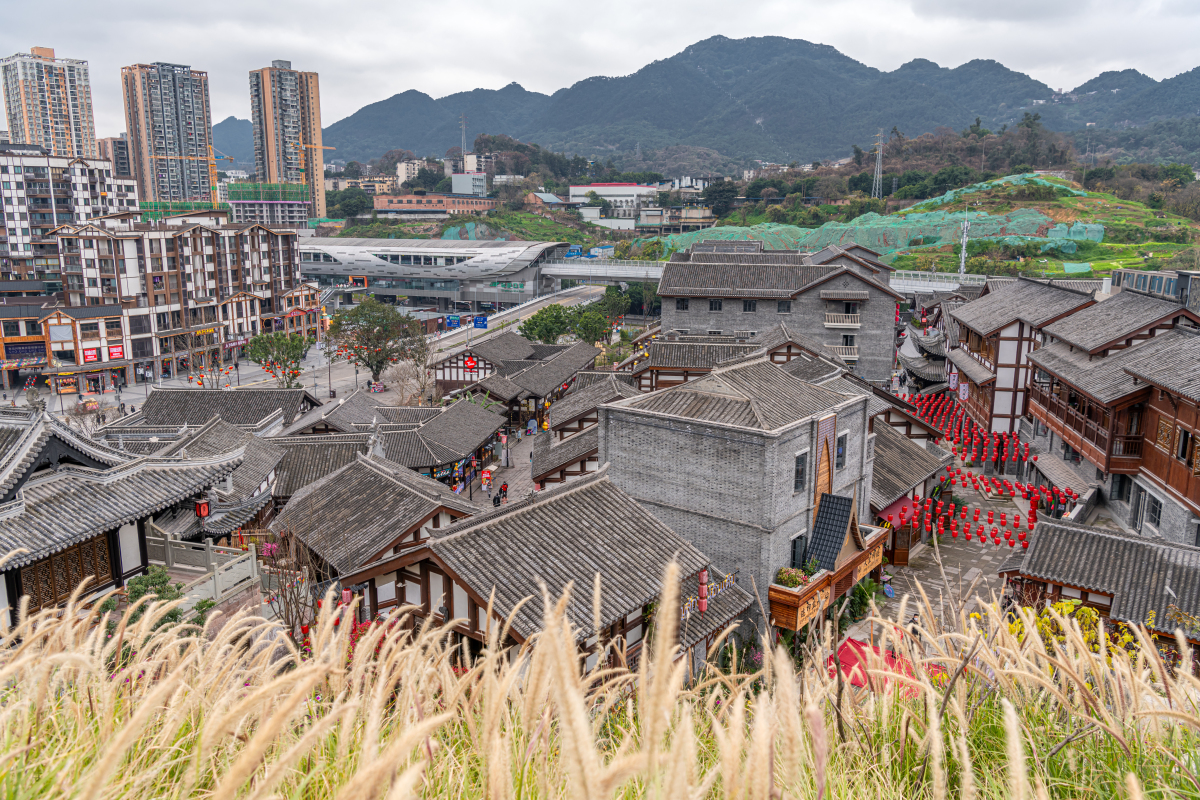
column 576, row 295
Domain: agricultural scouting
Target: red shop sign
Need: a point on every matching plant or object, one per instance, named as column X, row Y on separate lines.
column 470, row 363
column 91, row 355
column 116, row 351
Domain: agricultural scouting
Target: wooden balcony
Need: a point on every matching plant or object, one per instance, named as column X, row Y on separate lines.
column 843, row 320
column 1109, row 451
column 849, row 353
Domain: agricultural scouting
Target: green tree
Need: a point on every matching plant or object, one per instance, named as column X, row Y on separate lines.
column 347, row 203
column 279, row 354
column 375, row 335
column 590, row 327
column 613, row 305
column 353, row 170
column 594, row 199
column 858, row 154
column 644, row 297
column 546, row 325
column 720, row 196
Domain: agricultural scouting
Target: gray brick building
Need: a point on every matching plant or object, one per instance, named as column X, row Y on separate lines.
column 844, row 303
column 735, row 459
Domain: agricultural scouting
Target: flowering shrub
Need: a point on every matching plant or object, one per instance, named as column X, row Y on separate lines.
column 791, row 577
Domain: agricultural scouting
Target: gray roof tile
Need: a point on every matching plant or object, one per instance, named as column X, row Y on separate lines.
column 900, row 465
column 1118, row 317
column 237, row 407
column 1033, row 302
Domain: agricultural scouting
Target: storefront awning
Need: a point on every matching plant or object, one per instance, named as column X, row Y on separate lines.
column 904, row 506
column 95, row 366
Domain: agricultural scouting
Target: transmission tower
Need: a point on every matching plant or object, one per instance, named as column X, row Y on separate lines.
column 962, row 256
column 877, row 184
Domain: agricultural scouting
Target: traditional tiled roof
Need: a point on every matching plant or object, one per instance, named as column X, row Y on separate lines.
column 586, row 377
column 508, row 346
column 933, row 343
column 501, row 388
column 922, row 368
column 978, row 373
column 411, row 450
column 551, row 454
column 814, row 370
column 1118, row 317
column 309, row 458
column 829, row 530
column 1174, row 369
column 59, row 509
column 217, row 437
column 1033, row 302
column 400, row 415
column 901, row 464
column 756, row 394
column 237, row 407
column 354, row 512
column 24, row 435
column 692, row 355
column 1104, row 378
column 782, row 333
column 343, row 414
column 849, row 278
column 565, row 536
column 462, row 427
column 737, row 280
column 544, row 377
column 1144, row 576
column 580, row 401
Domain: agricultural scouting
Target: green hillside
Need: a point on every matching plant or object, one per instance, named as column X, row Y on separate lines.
column 1019, row 224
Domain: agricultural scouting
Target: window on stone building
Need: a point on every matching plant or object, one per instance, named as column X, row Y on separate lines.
column 714, row 304
column 1121, row 488
column 840, row 460
column 784, row 307
column 12, row 327
column 749, row 306
column 1153, row 510
column 681, row 304
column 799, row 545
column 800, row 478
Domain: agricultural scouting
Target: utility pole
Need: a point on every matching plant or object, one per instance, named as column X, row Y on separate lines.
column 962, row 256
column 877, row 184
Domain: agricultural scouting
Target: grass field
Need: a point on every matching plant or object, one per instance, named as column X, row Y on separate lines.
column 105, row 708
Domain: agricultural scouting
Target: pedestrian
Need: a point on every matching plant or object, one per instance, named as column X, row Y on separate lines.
column 496, row 501
column 504, row 492
column 122, row 409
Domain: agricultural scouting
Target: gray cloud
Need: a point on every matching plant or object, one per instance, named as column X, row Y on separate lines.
column 370, row 50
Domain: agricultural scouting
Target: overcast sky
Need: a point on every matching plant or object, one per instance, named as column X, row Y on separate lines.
column 368, row 50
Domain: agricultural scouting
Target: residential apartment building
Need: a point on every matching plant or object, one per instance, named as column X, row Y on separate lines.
column 833, row 298
column 285, row 107
column 194, row 287
column 42, row 191
column 472, row 183
column 168, row 122
column 279, row 204
column 115, row 149
column 48, row 101
column 407, row 170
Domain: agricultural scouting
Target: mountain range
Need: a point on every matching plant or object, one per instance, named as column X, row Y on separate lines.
column 765, row 97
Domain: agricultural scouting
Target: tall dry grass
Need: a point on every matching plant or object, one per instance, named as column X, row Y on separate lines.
column 91, row 710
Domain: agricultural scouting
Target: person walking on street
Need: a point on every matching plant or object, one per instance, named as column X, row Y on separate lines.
column 504, row 493
column 496, row 501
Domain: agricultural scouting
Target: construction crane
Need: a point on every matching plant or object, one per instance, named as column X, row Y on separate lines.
column 212, row 169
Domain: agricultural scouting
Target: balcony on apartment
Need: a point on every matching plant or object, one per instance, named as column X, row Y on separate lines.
column 846, row 352
column 852, row 321
column 1108, row 437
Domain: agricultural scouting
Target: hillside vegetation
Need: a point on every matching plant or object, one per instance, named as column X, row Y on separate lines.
column 1039, row 706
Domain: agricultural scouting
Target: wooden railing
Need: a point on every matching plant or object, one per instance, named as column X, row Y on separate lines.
column 1056, row 407
column 843, row 320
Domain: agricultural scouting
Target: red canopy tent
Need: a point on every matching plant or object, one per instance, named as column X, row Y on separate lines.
column 855, row 659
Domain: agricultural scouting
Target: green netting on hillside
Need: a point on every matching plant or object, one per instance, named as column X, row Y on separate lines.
column 887, row 235
column 954, row 195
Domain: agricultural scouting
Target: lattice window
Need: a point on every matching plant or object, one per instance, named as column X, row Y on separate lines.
column 1165, row 430
column 50, row 581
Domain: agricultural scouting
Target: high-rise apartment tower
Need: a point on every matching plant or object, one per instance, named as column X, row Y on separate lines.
column 116, row 150
column 48, row 101
column 285, row 107
column 169, row 128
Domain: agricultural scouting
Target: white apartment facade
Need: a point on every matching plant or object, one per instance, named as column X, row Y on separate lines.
column 627, row 199
column 48, row 102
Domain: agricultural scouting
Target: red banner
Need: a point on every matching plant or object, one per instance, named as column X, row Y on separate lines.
column 91, row 355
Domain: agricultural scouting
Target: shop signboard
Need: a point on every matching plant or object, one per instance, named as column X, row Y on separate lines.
column 25, row 350
column 206, row 330
column 90, row 355
column 116, row 352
